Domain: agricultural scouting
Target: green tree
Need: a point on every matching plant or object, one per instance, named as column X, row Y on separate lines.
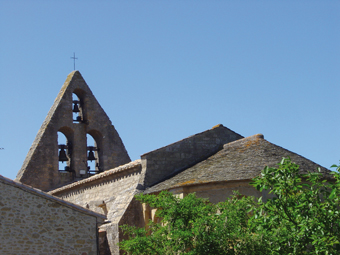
column 303, row 217
column 194, row 226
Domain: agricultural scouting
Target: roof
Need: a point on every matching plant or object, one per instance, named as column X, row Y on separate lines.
column 216, row 127
column 243, row 159
column 98, row 176
column 42, row 194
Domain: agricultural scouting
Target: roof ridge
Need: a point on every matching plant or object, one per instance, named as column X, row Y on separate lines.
column 248, row 138
column 186, row 138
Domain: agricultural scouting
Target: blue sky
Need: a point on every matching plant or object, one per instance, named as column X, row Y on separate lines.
column 165, row 70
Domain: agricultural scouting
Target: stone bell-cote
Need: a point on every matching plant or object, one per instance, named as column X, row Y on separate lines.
column 76, row 140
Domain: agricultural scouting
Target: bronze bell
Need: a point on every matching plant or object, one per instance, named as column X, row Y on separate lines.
column 91, row 155
column 62, row 154
column 75, row 107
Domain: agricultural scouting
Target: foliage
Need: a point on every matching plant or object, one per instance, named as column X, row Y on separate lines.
column 194, row 226
column 301, row 217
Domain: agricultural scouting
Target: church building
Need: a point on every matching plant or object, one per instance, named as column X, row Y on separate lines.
column 78, row 157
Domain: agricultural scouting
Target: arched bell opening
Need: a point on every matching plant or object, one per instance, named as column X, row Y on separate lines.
column 93, row 156
column 64, row 150
column 77, row 110
column 78, row 106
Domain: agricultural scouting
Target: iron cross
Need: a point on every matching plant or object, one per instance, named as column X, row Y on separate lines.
column 74, row 60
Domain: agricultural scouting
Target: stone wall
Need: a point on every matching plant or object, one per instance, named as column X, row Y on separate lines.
column 165, row 162
column 102, row 190
column 112, row 193
column 218, row 191
column 32, row 222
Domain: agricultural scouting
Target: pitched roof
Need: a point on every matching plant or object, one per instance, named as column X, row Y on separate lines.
column 42, row 194
column 243, row 159
column 219, row 129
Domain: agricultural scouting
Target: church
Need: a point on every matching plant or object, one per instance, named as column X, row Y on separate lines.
column 79, row 162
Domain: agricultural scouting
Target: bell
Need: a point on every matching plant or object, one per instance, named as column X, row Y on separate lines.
column 75, row 108
column 78, row 118
column 98, row 168
column 62, row 155
column 91, row 155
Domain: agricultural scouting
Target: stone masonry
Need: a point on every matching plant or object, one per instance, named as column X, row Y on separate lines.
column 40, row 168
column 212, row 163
column 167, row 161
column 33, row 222
column 111, row 193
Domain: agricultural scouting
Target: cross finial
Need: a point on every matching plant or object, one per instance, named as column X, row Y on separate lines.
column 74, row 60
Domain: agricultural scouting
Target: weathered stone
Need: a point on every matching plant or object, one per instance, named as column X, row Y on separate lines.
column 110, row 192
column 167, row 161
column 40, row 168
column 42, row 232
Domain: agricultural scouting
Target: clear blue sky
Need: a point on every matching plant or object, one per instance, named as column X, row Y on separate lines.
column 165, row 70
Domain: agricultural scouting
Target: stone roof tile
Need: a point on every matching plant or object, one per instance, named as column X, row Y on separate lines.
column 190, row 137
column 243, row 159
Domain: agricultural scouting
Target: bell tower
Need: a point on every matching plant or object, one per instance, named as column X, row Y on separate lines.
column 76, row 140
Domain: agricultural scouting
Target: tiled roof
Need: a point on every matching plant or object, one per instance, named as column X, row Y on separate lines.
column 190, row 137
column 243, row 159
